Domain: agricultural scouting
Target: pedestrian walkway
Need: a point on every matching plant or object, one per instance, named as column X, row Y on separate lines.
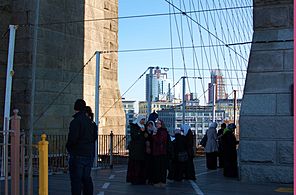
column 107, row 181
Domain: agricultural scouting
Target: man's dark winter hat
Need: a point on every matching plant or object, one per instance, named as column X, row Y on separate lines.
column 79, row 105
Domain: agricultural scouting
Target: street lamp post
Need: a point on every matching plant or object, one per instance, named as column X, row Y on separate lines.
column 214, row 102
column 149, row 98
column 183, row 100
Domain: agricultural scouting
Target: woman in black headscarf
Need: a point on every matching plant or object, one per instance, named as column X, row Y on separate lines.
column 229, row 143
column 136, row 171
column 190, row 170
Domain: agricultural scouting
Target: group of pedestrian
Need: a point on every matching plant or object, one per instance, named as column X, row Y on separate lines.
column 155, row 155
column 222, row 144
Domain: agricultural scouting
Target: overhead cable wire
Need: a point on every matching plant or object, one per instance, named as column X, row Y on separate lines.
column 246, row 26
column 190, row 27
column 203, row 69
column 238, row 26
column 189, row 47
column 203, row 51
column 179, row 39
column 182, row 43
column 138, row 16
column 124, row 93
column 172, row 50
column 205, row 29
column 228, row 39
column 233, row 60
column 185, row 71
column 194, row 56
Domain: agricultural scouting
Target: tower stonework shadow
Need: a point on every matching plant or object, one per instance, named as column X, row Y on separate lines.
column 65, row 43
column 266, row 118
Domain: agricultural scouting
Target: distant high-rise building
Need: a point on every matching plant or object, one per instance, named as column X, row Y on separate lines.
column 217, row 79
column 160, row 86
column 129, row 109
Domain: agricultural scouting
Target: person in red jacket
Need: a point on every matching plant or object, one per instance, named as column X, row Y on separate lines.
column 160, row 146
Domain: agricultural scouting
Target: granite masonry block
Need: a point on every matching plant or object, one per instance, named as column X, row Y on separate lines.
column 48, row 97
column 89, row 79
column 19, row 84
column 273, row 46
column 261, row 61
column 291, row 16
column 286, row 34
column 49, row 36
column 269, row 82
column 68, row 76
column 289, row 60
column 49, row 74
column 272, row 2
column 273, row 35
column 255, row 104
column 93, row 12
column 67, row 120
column 92, row 35
column 91, row 3
column 49, row 122
column 286, row 152
column 76, row 89
column 271, row 17
column 22, row 72
column 257, row 151
column 266, row 173
column 62, row 52
column 55, row 62
column 90, row 69
column 23, row 45
column 284, row 104
column 54, row 110
column 73, row 64
column 39, row 84
column 254, row 128
column 19, row 97
column 55, row 86
column 22, row 58
column 89, row 90
column 70, row 99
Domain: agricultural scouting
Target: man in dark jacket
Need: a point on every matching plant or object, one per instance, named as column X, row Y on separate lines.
column 80, row 145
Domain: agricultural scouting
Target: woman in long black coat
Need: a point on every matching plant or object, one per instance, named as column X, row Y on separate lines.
column 181, row 156
column 136, row 171
column 229, row 143
column 190, row 170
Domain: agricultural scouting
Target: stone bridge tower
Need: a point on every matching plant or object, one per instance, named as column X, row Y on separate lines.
column 266, row 118
column 70, row 32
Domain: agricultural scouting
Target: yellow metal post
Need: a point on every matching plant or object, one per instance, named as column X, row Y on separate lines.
column 43, row 165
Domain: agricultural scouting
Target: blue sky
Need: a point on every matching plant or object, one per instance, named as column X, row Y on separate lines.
column 154, row 32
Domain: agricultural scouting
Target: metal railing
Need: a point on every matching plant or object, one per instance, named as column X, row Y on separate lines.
column 112, row 150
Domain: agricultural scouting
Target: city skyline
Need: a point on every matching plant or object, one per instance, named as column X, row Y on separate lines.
column 158, row 34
